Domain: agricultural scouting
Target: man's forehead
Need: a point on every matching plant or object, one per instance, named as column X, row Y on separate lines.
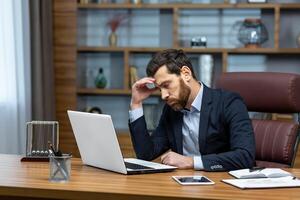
column 161, row 74
column 164, row 77
column 161, row 70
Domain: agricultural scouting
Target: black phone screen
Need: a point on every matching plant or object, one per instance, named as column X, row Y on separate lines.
column 194, row 180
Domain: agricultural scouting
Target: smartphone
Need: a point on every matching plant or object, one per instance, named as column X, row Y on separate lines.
column 150, row 86
column 193, row 180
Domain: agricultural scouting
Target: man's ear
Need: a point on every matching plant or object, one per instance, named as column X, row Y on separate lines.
column 185, row 73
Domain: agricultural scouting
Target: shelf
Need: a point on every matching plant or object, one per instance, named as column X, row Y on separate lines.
column 265, row 51
column 95, row 91
column 290, row 6
column 100, row 49
column 147, row 50
column 181, row 6
column 192, row 50
column 118, row 49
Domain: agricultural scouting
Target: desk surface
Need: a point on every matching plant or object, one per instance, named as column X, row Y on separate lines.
column 30, row 179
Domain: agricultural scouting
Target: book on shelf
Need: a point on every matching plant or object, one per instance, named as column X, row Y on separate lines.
column 259, row 173
column 288, row 181
column 133, row 75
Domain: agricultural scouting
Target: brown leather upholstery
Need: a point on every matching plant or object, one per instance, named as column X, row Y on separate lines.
column 276, row 142
column 265, row 91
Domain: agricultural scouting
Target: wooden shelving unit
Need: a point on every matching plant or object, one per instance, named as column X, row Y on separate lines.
column 182, row 6
column 192, row 50
column 116, row 92
column 93, row 91
column 67, row 52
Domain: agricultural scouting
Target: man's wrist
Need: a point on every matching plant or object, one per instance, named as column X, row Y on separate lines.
column 191, row 162
column 134, row 105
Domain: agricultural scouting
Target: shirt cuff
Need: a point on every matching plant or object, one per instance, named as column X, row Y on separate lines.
column 135, row 114
column 198, row 164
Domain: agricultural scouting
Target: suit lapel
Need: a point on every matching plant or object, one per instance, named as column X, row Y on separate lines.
column 204, row 118
column 178, row 119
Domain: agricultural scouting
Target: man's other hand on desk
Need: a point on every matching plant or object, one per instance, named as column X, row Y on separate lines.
column 177, row 160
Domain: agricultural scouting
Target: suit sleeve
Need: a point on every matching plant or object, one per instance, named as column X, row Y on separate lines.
column 146, row 146
column 241, row 138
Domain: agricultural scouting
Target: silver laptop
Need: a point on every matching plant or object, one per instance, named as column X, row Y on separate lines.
column 99, row 147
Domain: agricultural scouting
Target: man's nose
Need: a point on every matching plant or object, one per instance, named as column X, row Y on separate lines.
column 164, row 94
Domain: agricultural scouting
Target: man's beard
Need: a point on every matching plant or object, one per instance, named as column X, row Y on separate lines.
column 180, row 103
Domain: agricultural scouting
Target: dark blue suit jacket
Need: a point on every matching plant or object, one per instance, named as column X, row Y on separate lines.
column 226, row 139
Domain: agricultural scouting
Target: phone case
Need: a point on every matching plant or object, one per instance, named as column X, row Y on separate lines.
column 150, row 85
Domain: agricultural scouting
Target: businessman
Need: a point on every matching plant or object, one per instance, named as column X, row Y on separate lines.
column 201, row 128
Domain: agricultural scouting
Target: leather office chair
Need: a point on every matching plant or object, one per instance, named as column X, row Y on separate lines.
column 269, row 92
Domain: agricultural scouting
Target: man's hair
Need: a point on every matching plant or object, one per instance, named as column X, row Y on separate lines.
column 173, row 59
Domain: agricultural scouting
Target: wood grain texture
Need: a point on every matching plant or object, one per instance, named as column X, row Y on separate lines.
column 126, row 145
column 30, row 179
column 65, row 50
column 126, row 70
column 276, row 27
column 64, row 6
column 175, row 27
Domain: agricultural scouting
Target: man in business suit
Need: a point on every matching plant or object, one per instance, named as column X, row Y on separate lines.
column 201, row 128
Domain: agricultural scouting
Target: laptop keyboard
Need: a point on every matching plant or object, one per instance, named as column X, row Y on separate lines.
column 136, row 166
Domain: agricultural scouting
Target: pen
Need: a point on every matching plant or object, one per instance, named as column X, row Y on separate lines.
column 256, row 169
column 56, row 153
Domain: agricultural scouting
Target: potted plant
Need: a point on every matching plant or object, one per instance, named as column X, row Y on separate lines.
column 114, row 23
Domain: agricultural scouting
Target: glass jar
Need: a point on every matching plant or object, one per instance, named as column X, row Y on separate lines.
column 252, row 33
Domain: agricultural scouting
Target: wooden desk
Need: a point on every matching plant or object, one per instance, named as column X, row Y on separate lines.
column 29, row 180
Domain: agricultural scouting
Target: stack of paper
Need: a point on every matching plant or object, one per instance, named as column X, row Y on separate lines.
column 264, row 182
column 262, row 178
column 263, row 173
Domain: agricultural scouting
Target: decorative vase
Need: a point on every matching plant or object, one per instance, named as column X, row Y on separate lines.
column 100, row 80
column 113, row 39
column 252, row 33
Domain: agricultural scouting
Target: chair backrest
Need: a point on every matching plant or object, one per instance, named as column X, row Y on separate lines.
column 271, row 92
